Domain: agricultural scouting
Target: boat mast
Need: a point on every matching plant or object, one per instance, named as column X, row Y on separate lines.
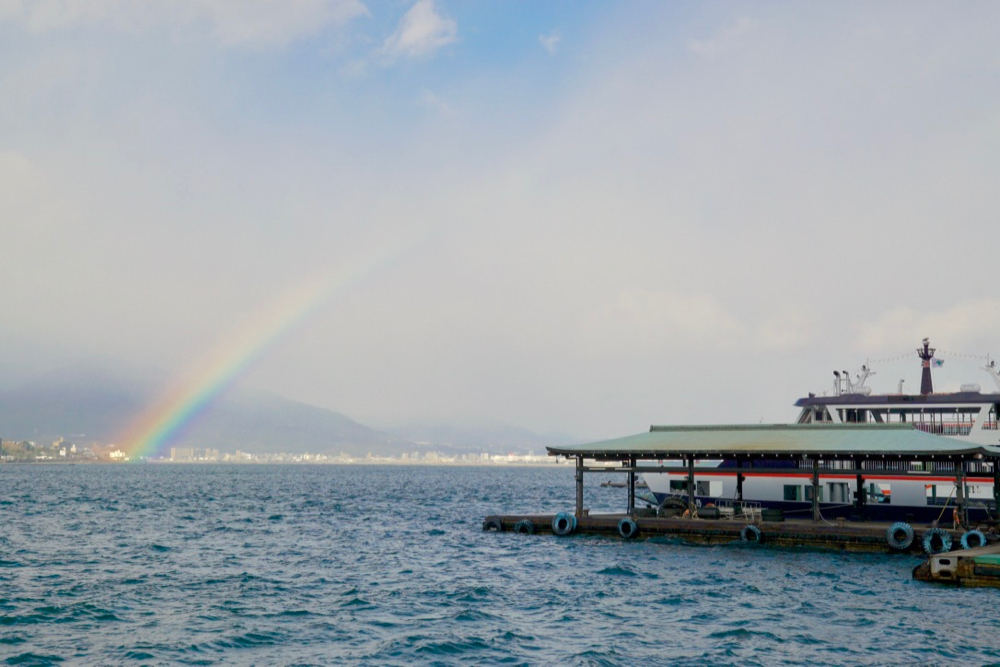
column 926, row 354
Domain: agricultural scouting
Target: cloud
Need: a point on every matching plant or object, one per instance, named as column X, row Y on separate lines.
column 550, row 41
column 10, row 8
column 278, row 21
column 967, row 325
column 432, row 101
column 645, row 319
column 713, row 46
column 13, row 166
column 421, row 31
column 243, row 22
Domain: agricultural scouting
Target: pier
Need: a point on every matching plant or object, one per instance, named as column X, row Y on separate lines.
column 811, row 453
column 858, row 537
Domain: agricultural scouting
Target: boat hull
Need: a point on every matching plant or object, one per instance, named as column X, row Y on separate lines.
column 889, row 498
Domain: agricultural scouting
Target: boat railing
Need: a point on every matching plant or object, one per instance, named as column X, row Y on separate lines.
column 945, row 428
column 948, row 467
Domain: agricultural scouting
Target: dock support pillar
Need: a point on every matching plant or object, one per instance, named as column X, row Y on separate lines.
column 691, row 505
column 740, row 478
column 859, row 495
column 579, row 487
column 815, row 487
column 960, row 492
column 631, row 486
column 996, row 487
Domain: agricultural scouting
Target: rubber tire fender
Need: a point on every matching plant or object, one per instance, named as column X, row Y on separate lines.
column 751, row 534
column 563, row 524
column 978, row 534
column 493, row 524
column 897, row 541
column 525, row 527
column 928, row 541
column 627, row 528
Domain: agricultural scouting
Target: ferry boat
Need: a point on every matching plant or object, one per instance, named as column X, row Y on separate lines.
column 911, row 491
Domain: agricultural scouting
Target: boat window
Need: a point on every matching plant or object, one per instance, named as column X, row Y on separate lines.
column 678, row 485
column 940, row 494
column 880, row 493
column 713, row 489
column 839, row 492
column 855, row 416
column 793, row 492
column 809, row 493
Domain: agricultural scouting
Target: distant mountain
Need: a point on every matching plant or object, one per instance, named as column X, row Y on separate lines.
column 483, row 437
column 258, row 421
column 85, row 406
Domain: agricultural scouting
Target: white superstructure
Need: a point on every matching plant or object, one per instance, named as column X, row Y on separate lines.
column 924, row 490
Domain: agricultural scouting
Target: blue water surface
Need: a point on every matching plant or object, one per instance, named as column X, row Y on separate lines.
column 383, row 565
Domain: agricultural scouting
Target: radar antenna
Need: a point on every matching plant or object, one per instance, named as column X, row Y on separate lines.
column 991, row 368
column 859, row 386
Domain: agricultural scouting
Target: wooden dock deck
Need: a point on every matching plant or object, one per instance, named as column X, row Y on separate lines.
column 870, row 537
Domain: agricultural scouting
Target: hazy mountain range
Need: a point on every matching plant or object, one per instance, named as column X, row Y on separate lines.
column 85, row 406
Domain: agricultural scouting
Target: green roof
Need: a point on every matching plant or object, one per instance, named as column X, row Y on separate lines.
column 778, row 440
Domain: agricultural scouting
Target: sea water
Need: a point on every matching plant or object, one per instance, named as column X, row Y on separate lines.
column 382, row 565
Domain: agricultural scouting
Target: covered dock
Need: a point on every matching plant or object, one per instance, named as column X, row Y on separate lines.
column 858, row 450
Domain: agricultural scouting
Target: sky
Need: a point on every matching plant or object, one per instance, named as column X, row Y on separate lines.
column 580, row 218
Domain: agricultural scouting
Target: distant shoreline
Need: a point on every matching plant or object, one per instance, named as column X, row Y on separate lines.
column 557, row 463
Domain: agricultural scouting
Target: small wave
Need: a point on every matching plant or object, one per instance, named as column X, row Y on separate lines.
column 455, row 647
column 33, row 659
column 592, row 657
column 743, row 634
column 356, row 602
column 139, row 655
column 618, row 571
column 672, row 601
column 249, row 640
column 807, row 639
column 472, row 615
column 435, row 532
column 474, row 595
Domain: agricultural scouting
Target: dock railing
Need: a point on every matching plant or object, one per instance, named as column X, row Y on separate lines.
column 750, row 511
column 746, row 510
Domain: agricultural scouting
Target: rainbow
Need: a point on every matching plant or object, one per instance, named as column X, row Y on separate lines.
column 149, row 434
